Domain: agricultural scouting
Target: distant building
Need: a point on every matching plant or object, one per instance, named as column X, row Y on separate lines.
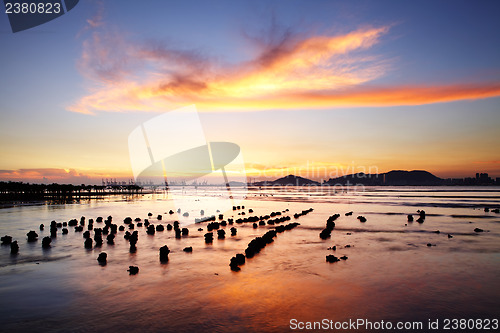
column 455, row 181
column 481, row 179
column 470, row 181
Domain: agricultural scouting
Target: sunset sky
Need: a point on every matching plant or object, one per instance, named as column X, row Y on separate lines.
column 332, row 86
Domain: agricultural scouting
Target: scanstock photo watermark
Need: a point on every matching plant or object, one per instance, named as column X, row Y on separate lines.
column 318, row 170
column 451, row 325
column 172, row 146
column 27, row 14
column 314, row 177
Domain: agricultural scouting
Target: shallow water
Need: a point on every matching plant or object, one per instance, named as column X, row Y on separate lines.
column 391, row 274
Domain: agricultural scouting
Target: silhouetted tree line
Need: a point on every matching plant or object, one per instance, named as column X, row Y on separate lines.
column 16, row 190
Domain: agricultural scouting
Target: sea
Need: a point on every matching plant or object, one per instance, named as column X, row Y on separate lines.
column 396, row 275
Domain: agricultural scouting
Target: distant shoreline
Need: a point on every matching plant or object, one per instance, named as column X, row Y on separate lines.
column 33, row 198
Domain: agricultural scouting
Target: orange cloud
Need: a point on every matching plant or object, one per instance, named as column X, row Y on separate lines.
column 372, row 96
column 56, row 175
column 487, row 162
column 309, row 72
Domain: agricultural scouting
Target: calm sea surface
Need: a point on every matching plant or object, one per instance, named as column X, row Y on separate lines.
column 390, row 274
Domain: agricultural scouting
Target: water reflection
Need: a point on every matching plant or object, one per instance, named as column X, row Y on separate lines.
column 390, row 274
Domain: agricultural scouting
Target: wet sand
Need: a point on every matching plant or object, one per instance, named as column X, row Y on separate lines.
column 390, row 274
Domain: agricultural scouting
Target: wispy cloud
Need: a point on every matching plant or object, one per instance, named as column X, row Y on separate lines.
column 287, row 73
column 487, row 162
column 97, row 19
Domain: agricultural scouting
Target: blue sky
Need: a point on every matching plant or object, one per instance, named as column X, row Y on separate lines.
column 450, row 47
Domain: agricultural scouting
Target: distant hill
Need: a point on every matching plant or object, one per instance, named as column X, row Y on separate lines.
column 288, row 180
column 237, row 184
column 391, row 178
column 415, row 177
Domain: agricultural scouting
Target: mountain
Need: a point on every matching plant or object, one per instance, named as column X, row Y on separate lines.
column 415, row 177
column 237, row 184
column 391, row 178
column 288, row 180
